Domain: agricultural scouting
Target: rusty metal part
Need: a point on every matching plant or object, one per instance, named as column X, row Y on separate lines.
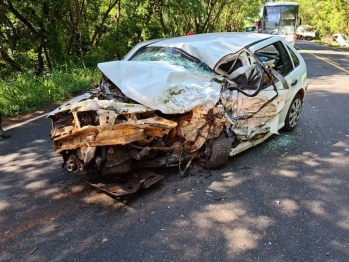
column 115, row 155
column 120, row 134
column 86, row 153
column 121, row 168
column 139, row 155
column 188, row 164
column 202, row 125
column 134, row 182
column 168, row 160
column 162, row 149
column 74, row 164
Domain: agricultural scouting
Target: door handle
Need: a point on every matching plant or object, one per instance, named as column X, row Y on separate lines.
column 294, row 82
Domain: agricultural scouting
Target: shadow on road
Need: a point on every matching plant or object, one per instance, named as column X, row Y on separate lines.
column 285, row 200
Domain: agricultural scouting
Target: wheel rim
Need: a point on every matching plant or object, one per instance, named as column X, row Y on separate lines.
column 295, row 112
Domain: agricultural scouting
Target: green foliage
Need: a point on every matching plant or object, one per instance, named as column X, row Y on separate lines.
column 40, row 35
column 37, row 37
column 23, row 93
column 328, row 16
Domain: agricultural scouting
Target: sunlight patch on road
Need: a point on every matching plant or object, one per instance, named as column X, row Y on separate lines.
column 317, row 208
column 344, row 222
column 241, row 231
column 287, row 207
column 241, row 239
column 314, row 161
column 223, row 213
column 49, row 192
column 227, row 183
column 288, row 173
column 104, row 200
column 3, row 205
column 37, row 185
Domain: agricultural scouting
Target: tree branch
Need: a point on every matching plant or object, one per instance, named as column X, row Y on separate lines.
column 18, row 15
column 105, row 17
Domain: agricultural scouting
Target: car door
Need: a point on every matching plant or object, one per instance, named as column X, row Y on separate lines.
column 289, row 70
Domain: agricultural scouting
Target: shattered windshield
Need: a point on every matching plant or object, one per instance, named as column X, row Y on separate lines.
column 173, row 56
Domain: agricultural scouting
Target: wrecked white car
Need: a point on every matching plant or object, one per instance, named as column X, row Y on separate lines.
column 172, row 101
column 340, row 39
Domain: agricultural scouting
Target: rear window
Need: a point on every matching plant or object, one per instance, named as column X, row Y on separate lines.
column 279, row 54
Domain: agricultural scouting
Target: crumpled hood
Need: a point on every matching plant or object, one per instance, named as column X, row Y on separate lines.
column 162, row 86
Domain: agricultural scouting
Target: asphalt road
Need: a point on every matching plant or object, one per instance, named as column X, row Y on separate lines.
column 284, row 200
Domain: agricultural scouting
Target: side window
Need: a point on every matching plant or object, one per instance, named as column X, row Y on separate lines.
column 294, row 57
column 278, row 53
column 285, row 65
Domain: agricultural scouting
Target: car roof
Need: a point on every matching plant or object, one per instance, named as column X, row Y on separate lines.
column 211, row 47
column 235, row 40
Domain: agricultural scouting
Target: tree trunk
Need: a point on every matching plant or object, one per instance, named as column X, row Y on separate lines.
column 97, row 33
column 9, row 60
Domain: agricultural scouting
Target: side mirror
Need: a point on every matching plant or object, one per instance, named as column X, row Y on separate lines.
column 299, row 21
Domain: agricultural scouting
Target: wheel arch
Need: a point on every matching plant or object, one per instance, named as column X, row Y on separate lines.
column 301, row 92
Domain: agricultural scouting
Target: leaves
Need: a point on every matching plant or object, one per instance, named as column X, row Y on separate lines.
column 43, row 33
column 328, row 16
column 39, row 35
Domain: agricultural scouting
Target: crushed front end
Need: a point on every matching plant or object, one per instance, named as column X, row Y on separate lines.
column 105, row 135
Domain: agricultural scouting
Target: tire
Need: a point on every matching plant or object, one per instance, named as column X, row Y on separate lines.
column 293, row 114
column 219, row 152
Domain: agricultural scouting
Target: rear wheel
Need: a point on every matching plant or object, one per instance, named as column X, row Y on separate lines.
column 219, row 152
column 293, row 114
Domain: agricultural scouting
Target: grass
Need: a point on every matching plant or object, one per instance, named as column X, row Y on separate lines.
column 25, row 93
column 330, row 43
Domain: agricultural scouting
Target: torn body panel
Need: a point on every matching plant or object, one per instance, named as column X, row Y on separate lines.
column 265, row 120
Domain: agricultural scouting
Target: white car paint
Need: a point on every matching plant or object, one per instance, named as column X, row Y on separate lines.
column 341, row 39
column 191, row 89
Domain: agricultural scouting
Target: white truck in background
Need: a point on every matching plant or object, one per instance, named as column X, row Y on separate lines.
column 305, row 33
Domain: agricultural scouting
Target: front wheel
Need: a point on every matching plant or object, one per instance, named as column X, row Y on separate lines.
column 293, row 114
column 219, row 152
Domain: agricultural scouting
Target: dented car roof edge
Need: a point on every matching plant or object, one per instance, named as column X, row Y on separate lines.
column 210, row 48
